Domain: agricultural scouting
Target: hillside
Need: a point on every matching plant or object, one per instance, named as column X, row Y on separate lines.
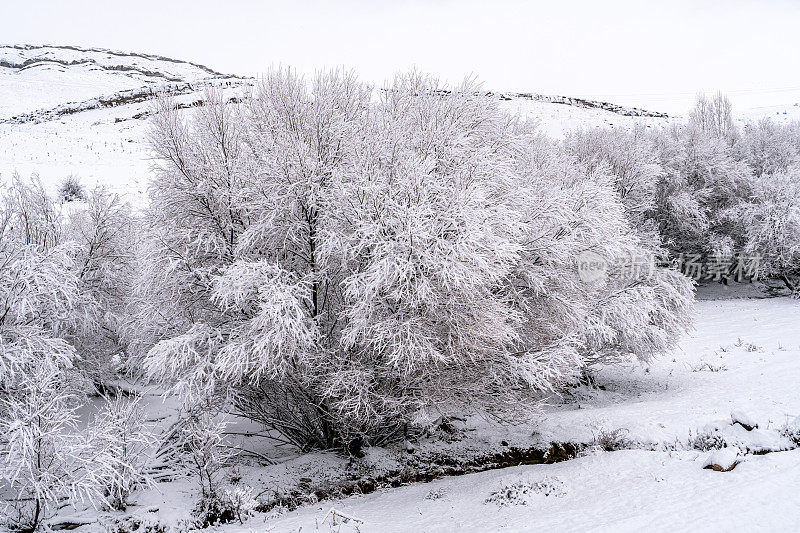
column 83, row 111
column 42, row 77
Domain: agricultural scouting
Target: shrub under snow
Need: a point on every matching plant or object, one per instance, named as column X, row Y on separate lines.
column 338, row 262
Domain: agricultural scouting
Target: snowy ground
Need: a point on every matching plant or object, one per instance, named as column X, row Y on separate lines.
column 743, row 358
column 629, row 490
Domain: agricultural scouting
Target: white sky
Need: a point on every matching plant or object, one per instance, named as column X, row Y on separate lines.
column 654, row 55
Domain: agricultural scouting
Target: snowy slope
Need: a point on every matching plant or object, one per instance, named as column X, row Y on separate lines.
column 780, row 114
column 39, row 77
column 556, row 119
column 71, row 111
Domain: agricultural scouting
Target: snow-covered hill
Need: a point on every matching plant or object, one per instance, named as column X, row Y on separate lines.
column 42, row 77
column 781, row 114
column 84, row 111
column 78, row 111
column 558, row 115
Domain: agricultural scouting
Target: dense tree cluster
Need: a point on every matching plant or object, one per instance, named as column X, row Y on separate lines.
column 709, row 188
column 340, row 263
column 62, row 289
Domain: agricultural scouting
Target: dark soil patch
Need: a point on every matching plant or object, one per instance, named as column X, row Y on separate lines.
column 424, row 469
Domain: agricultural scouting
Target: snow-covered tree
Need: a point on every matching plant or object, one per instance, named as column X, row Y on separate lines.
column 222, row 196
column 96, row 240
column 103, row 231
column 770, row 148
column 629, row 155
column 703, row 178
column 771, row 222
column 193, row 223
column 40, row 298
column 119, row 428
column 714, row 116
column 338, row 263
column 44, row 456
column 639, row 307
column 206, row 452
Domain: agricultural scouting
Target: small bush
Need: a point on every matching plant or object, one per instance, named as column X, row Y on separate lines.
column 707, row 439
column 212, row 510
column 241, row 501
column 121, row 430
column 205, row 452
column 436, row 494
column 231, row 504
column 132, row 524
column 791, row 430
column 708, row 367
column 72, row 190
column 748, row 346
column 612, row 440
column 520, row 492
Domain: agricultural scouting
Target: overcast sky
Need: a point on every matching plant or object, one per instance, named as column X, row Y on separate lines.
column 636, row 53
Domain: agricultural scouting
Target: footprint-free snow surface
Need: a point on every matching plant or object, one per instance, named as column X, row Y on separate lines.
column 727, row 397
column 744, row 356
